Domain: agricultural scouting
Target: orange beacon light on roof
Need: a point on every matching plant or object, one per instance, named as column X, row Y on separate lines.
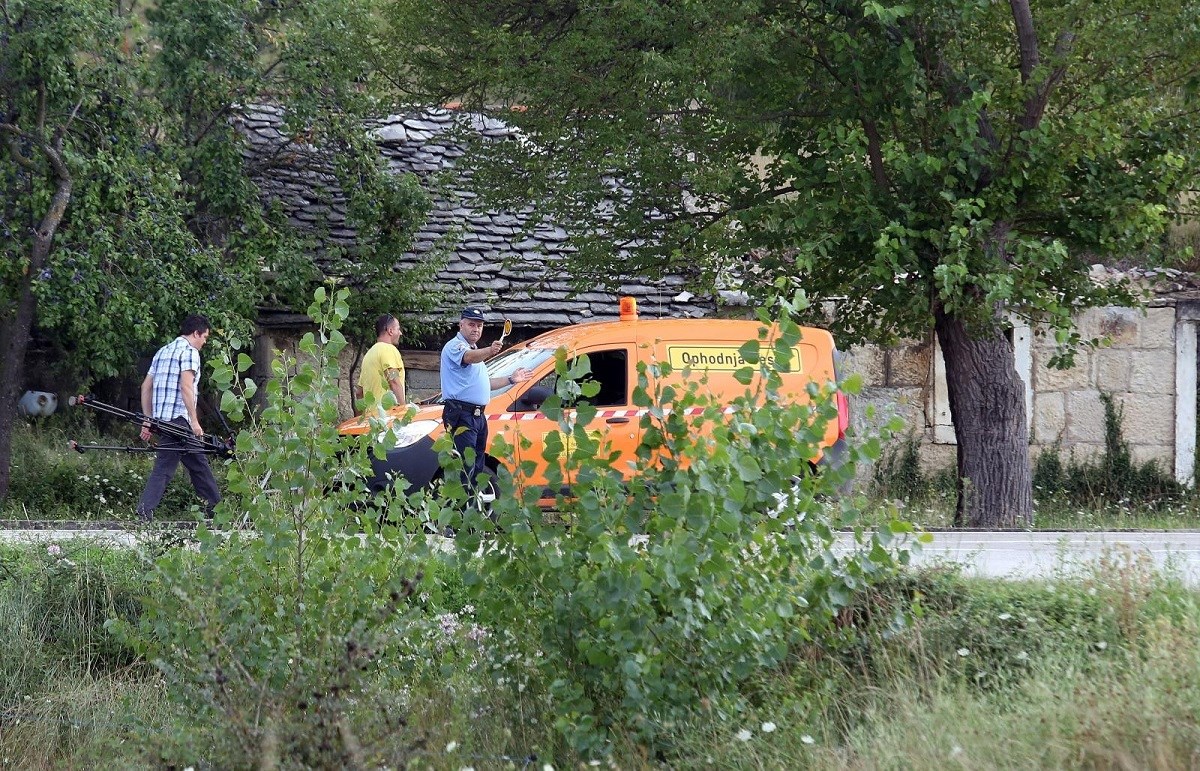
column 628, row 309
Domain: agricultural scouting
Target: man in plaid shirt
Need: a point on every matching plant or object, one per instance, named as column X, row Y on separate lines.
column 169, row 393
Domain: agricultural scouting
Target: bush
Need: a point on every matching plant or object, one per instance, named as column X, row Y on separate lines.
column 640, row 600
column 898, row 474
column 269, row 642
column 935, row 625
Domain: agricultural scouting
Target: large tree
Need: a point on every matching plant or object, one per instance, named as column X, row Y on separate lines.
column 124, row 198
column 943, row 165
column 84, row 215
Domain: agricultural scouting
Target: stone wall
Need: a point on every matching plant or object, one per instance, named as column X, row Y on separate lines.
column 1136, row 367
column 896, row 382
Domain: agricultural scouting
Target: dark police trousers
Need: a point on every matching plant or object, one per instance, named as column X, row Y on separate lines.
column 170, row 454
column 468, row 427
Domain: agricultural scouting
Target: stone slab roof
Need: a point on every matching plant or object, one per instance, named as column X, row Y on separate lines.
column 1165, row 286
column 492, row 260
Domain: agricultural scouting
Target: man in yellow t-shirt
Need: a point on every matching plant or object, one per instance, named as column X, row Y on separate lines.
column 382, row 368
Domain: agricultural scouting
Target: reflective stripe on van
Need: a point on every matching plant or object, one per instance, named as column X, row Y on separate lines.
column 633, row 413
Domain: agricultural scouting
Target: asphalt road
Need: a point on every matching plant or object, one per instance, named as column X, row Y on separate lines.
column 1009, row 554
column 1041, row 554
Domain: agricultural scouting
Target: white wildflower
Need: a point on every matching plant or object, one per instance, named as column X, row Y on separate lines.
column 1022, row 656
column 806, row 739
column 1101, row 645
column 964, row 651
column 1005, row 616
column 768, row 727
column 744, row 735
column 451, row 747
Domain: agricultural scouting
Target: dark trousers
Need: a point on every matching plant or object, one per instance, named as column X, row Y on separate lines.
column 467, row 430
column 170, row 454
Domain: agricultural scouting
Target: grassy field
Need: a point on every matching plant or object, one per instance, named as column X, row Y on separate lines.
column 1098, row 669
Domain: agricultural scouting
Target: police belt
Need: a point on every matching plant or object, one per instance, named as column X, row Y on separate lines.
column 474, row 409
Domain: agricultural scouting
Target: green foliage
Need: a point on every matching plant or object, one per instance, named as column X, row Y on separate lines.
column 639, row 600
column 904, row 159
column 49, row 482
column 268, row 639
column 938, row 164
column 320, row 61
column 898, row 474
column 904, row 696
column 1089, row 666
column 996, row 635
column 124, row 266
column 386, row 210
column 1113, row 477
column 163, row 219
column 990, row 636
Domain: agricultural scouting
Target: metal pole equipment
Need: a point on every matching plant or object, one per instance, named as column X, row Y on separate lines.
column 205, row 445
column 82, row 448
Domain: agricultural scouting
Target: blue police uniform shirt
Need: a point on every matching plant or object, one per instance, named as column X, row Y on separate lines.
column 464, row 382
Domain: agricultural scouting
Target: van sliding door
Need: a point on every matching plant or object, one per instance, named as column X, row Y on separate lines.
column 616, row 425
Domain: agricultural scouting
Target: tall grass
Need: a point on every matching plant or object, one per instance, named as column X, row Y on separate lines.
column 66, row 685
column 1094, row 669
column 1098, row 667
column 51, row 482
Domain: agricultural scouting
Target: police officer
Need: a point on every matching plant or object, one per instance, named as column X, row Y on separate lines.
column 466, row 390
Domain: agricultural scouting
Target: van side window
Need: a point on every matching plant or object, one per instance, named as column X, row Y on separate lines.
column 608, row 368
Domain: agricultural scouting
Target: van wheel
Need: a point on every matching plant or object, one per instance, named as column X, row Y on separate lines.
column 484, row 498
column 787, row 501
column 485, row 495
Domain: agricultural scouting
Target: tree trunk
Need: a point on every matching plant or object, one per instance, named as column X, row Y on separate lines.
column 15, row 342
column 18, row 329
column 987, row 407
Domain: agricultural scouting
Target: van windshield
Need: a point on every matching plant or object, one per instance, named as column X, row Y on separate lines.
column 505, row 364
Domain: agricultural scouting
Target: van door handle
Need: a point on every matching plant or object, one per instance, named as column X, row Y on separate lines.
column 612, row 421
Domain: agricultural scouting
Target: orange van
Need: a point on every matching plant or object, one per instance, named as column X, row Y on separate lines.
column 614, row 349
